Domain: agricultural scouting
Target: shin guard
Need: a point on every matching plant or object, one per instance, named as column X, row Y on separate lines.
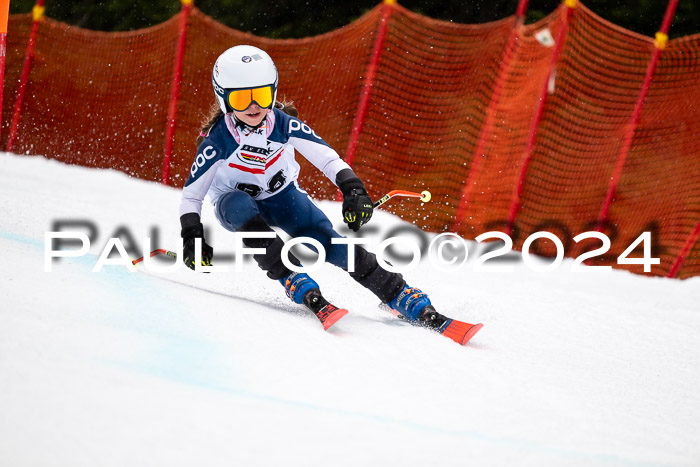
column 382, row 283
column 271, row 260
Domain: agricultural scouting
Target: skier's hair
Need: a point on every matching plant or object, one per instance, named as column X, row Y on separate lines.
column 216, row 113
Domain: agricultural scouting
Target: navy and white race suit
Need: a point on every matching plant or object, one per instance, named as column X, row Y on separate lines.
column 259, row 162
column 247, row 172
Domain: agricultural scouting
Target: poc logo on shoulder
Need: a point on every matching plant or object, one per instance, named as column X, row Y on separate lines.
column 295, row 125
column 207, row 154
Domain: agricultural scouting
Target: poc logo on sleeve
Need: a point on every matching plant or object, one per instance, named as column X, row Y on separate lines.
column 207, row 154
column 295, row 125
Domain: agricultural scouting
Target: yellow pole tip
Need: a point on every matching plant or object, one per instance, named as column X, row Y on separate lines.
column 425, row 196
column 661, row 40
column 390, row 2
column 38, row 12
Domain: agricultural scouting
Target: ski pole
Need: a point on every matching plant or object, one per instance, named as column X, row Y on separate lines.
column 172, row 254
column 423, row 195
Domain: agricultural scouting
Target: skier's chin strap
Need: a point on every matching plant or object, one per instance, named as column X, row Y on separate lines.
column 247, row 127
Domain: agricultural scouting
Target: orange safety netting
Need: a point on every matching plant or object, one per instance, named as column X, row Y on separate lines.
column 101, row 100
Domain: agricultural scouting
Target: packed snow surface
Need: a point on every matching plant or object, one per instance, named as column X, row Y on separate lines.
column 116, row 368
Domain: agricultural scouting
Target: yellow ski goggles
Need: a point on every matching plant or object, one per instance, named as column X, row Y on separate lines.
column 241, row 99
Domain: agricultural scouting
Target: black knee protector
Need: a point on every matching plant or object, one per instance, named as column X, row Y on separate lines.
column 382, row 283
column 271, row 260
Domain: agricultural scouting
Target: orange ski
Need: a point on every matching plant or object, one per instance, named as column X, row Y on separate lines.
column 330, row 314
column 459, row 331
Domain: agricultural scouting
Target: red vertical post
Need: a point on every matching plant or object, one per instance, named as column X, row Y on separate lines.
column 569, row 6
column 363, row 105
column 37, row 16
column 490, row 114
column 175, row 90
column 659, row 45
column 4, row 13
column 684, row 252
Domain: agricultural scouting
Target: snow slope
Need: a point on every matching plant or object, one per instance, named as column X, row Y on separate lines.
column 114, row 368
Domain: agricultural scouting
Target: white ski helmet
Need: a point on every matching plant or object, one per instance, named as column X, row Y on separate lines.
column 242, row 75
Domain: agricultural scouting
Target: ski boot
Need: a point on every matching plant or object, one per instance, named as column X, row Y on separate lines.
column 302, row 289
column 415, row 306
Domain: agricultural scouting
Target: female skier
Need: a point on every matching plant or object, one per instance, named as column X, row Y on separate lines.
column 245, row 162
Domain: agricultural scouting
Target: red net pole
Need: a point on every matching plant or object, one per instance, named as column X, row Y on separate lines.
column 659, row 45
column 4, row 12
column 37, row 15
column 686, row 249
column 175, row 90
column 569, row 6
column 490, row 114
column 363, row 105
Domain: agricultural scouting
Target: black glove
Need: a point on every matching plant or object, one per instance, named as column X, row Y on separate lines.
column 357, row 205
column 189, row 234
